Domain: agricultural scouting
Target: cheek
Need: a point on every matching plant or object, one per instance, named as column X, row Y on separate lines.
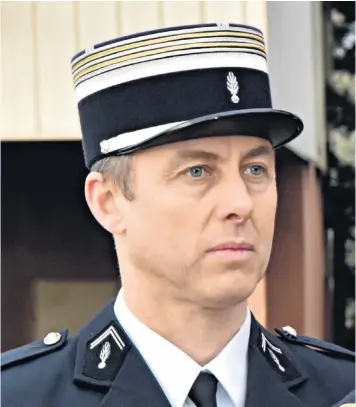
column 265, row 214
column 164, row 222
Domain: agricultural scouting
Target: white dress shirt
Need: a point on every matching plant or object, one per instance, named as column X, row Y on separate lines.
column 176, row 372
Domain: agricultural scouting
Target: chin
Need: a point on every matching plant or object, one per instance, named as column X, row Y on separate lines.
column 228, row 291
column 225, row 297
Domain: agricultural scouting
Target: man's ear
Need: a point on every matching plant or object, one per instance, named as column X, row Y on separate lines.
column 103, row 199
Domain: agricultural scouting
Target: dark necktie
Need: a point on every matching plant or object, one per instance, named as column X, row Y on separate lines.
column 203, row 391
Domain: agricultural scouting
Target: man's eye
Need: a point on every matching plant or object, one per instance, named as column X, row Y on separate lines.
column 197, row 172
column 255, row 170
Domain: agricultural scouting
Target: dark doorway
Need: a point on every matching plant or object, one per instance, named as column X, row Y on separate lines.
column 47, row 230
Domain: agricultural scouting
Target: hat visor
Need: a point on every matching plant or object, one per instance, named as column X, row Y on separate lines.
column 279, row 127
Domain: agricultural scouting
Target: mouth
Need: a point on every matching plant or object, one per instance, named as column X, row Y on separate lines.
column 234, row 246
column 233, row 251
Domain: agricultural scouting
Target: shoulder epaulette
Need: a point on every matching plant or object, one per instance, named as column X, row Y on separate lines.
column 52, row 342
column 289, row 334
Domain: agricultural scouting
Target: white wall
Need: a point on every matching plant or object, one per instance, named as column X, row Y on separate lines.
column 38, row 40
column 296, row 71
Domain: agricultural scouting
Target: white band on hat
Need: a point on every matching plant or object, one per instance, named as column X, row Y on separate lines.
column 133, row 138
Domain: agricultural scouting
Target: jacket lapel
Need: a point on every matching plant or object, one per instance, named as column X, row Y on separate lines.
column 272, row 372
column 135, row 386
column 108, row 362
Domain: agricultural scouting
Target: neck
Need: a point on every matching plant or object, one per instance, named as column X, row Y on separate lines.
column 200, row 332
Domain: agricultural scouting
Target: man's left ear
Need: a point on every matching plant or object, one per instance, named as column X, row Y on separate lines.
column 103, row 199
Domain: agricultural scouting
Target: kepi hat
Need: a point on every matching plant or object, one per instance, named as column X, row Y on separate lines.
column 174, row 84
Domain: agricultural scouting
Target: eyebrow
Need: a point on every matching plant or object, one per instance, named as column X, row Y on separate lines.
column 186, row 155
column 197, row 154
column 259, row 151
column 201, row 154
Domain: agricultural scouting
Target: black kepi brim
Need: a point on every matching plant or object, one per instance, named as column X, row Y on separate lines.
column 277, row 126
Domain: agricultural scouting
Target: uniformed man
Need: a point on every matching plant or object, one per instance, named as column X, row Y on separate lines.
column 180, row 135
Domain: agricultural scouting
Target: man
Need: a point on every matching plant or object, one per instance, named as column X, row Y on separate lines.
column 179, row 134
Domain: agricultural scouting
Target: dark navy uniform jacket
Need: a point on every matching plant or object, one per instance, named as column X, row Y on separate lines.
column 348, row 400
column 99, row 366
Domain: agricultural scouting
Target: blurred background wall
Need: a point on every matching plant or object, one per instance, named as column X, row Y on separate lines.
column 59, row 266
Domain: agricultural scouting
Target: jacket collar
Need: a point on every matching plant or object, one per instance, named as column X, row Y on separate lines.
column 273, row 371
column 97, row 364
column 106, row 358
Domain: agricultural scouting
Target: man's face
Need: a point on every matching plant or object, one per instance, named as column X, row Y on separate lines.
column 202, row 221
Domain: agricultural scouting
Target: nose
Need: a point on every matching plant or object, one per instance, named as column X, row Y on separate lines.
column 234, row 200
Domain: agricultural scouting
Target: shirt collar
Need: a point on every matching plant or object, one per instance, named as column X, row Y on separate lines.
column 167, row 362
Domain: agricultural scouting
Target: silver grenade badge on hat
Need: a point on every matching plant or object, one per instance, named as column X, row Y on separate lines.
column 233, row 87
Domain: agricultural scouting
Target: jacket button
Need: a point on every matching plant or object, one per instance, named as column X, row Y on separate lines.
column 52, row 338
column 290, row 331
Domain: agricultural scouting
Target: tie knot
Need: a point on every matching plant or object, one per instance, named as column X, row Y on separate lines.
column 203, row 391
